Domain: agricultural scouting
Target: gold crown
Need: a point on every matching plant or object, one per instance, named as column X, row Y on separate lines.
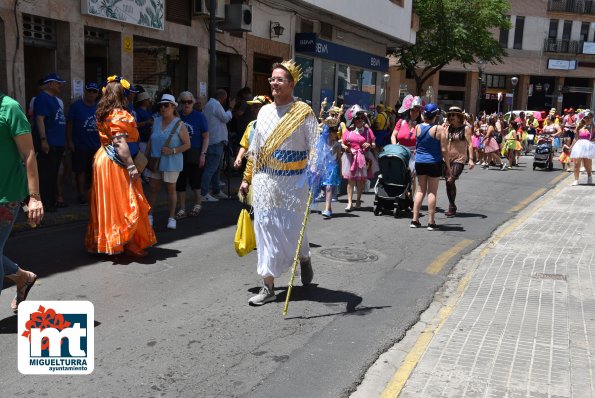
column 294, row 69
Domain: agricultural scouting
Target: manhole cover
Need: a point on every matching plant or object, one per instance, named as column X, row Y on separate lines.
column 556, row 277
column 350, row 255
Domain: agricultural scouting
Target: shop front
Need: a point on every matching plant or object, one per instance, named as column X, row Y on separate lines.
column 338, row 73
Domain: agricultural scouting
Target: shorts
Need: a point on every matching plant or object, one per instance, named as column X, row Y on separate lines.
column 456, row 169
column 171, row 177
column 82, row 160
column 428, row 169
column 190, row 174
column 569, row 134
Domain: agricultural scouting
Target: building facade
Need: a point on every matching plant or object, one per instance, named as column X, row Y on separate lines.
column 551, row 51
column 165, row 44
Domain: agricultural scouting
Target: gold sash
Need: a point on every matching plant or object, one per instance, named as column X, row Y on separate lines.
column 284, row 129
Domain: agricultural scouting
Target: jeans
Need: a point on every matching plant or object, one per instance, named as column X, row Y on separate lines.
column 210, row 175
column 8, row 214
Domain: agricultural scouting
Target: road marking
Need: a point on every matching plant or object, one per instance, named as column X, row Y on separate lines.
column 523, row 203
column 441, row 260
column 397, row 382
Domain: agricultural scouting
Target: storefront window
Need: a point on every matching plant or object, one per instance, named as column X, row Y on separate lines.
column 327, row 85
column 356, row 86
column 303, row 89
column 369, row 82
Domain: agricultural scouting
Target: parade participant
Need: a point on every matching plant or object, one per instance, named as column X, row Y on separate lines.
column 82, row 137
column 564, row 157
column 479, row 130
column 381, row 127
column 358, row 163
column 255, row 104
column 328, row 153
column 49, row 136
column 18, row 179
column 569, row 122
column 169, row 139
column 282, row 146
column 217, row 119
column 194, row 157
column 459, row 142
column 583, row 150
column 118, row 209
column 144, row 118
column 432, row 149
column 404, row 131
column 511, row 143
column 491, row 148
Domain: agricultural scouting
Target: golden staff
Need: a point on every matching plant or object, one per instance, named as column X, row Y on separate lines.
column 297, row 251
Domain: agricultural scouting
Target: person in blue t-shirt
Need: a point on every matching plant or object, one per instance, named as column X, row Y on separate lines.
column 49, row 136
column 194, row 158
column 82, row 137
column 144, row 117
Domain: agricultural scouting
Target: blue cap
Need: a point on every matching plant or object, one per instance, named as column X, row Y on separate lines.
column 134, row 89
column 92, row 86
column 53, row 77
column 431, row 110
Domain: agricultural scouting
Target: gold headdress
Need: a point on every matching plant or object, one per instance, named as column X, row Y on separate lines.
column 294, row 69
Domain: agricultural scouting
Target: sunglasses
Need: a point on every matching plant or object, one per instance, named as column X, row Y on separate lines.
column 188, row 102
column 165, row 105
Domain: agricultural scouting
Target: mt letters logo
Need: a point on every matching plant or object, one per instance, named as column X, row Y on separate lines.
column 56, row 337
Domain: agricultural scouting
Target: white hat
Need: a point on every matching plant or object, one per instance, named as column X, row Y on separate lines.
column 168, row 98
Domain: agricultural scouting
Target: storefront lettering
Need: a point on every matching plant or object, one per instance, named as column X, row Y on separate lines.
column 321, row 48
column 374, row 61
column 306, row 42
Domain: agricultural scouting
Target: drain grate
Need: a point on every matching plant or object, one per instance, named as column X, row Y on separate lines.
column 350, row 255
column 555, row 277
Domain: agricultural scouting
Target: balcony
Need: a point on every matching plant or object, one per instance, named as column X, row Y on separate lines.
column 574, row 6
column 561, row 46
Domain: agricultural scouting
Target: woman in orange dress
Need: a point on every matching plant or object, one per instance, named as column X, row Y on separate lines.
column 119, row 211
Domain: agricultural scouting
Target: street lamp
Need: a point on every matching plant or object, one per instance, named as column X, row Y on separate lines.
column 514, row 80
column 386, row 79
column 480, row 66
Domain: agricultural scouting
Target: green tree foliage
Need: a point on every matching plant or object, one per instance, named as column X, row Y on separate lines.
column 454, row 30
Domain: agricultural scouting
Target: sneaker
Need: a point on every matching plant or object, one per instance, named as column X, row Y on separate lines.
column 220, row 195
column 504, row 167
column 171, row 223
column 589, row 180
column 307, row 273
column 326, row 214
column 265, row 295
column 432, row 227
column 574, row 183
column 151, row 219
column 320, row 198
column 209, row 198
column 414, row 224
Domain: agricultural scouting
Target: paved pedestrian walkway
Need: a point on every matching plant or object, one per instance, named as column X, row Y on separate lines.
column 523, row 321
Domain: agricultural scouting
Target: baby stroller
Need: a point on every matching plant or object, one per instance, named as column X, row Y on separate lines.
column 393, row 186
column 544, row 153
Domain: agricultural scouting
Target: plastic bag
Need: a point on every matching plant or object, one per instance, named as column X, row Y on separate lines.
column 245, row 240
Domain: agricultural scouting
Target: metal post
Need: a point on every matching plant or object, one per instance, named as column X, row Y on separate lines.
column 212, row 48
column 514, row 80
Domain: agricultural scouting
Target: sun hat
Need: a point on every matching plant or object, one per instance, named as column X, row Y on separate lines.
column 142, row 96
column 168, row 98
column 53, row 77
column 410, row 102
column 553, row 111
column 259, row 100
column 92, row 86
column 431, row 110
column 354, row 111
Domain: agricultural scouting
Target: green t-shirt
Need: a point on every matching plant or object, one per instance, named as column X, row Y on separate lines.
column 13, row 178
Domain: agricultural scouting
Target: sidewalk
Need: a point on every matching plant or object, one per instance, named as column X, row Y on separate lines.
column 519, row 319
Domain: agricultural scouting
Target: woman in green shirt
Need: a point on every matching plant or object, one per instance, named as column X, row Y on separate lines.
column 16, row 183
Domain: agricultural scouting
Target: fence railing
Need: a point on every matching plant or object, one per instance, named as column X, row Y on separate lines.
column 562, row 46
column 574, row 6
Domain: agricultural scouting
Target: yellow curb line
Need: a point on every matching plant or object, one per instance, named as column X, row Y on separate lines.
column 436, row 266
column 523, row 203
column 397, row 382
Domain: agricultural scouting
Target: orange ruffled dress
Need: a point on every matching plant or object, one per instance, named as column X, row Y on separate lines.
column 119, row 211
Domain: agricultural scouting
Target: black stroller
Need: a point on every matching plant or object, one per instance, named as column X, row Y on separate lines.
column 393, row 187
column 544, row 153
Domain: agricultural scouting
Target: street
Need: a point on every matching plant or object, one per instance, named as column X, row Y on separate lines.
column 177, row 323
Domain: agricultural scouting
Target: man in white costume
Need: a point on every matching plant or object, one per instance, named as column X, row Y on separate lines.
column 279, row 157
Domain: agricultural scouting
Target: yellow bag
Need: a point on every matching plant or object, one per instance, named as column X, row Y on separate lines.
column 244, row 241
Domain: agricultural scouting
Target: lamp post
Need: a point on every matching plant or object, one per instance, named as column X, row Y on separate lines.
column 386, row 79
column 514, row 80
column 480, row 66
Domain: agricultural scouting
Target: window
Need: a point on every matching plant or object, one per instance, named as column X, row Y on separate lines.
column 584, row 36
column 496, row 81
column 409, row 74
column 567, row 30
column 303, row 90
column 178, row 11
column 518, row 33
column 504, row 37
column 452, row 79
column 327, row 81
column 553, row 32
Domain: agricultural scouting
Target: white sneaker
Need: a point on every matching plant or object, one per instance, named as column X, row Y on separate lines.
column 265, row 295
column 171, row 223
column 220, row 195
column 151, row 219
column 574, row 183
column 209, row 198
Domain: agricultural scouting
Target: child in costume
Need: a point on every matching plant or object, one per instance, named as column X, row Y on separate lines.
column 565, row 156
column 328, row 150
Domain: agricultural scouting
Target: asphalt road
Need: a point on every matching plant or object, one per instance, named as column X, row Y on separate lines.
column 177, row 323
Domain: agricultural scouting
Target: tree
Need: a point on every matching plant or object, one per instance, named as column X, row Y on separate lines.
column 454, row 30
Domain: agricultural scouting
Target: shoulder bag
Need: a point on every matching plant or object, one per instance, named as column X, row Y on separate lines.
column 154, row 161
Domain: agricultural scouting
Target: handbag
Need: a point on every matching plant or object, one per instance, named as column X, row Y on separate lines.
column 140, row 161
column 245, row 240
column 153, row 163
column 192, row 156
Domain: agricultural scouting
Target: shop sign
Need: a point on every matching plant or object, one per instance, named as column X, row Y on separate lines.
column 561, row 64
column 310, row 44
column 589, row 47
column 149, row 14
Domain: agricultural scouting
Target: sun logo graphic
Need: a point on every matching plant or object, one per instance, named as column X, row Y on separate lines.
column 56, row 337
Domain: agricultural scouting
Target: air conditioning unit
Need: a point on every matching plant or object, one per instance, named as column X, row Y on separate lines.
column 200, row 9
column 238, row 18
